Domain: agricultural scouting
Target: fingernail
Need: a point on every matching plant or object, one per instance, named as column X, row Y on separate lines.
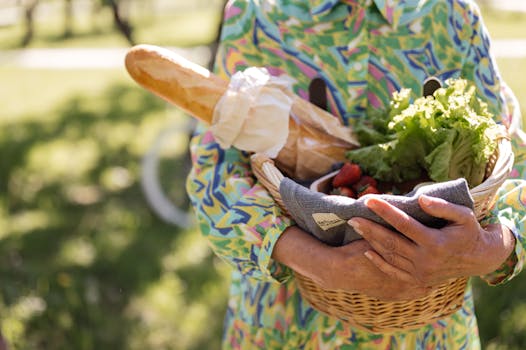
column 369, row 203
column 425, row 199
column 368, row 255
column 356, row 226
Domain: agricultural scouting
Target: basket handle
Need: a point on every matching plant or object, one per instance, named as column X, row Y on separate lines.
column 265, row 166
column 269, row 176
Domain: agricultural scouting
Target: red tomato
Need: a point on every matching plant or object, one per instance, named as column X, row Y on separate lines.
column 363, row 182
column 348, row 175
column 347, row 192
column 368, row 190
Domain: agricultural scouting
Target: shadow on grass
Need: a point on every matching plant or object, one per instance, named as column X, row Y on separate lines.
column 80, row 251
column 500, row 314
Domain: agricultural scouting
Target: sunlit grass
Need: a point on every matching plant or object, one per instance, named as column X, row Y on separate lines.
column 35, row 94
column 504, row 24
column 64, row 159
column 84, row 262
column 184, row 29
column 27, row 221
column 513, row 71
column 77, row 251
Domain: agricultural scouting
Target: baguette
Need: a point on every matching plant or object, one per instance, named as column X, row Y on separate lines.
column 316, row 138
column 177, row 80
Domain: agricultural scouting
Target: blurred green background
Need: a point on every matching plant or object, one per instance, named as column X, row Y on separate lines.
column 84, row 261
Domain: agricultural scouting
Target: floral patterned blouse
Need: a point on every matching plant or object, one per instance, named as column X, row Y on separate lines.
column 364, row 50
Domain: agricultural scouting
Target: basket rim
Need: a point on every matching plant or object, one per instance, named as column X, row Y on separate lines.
column 501, row 169
column 498, row 175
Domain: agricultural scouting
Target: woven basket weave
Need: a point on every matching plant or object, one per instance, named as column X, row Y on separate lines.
column 377, row 316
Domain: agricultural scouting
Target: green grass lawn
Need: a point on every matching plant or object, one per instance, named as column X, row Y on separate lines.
column 513, row 71
column 84, row 263
column 504, row 24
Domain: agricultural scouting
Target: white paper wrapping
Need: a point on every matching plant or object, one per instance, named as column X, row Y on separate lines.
column 253, row 114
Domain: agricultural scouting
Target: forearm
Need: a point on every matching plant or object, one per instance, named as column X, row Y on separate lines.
column 303, row 253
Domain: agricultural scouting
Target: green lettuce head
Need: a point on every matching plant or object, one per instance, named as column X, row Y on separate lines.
column 446, row 136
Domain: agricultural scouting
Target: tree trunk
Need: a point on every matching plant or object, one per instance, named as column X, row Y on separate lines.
column 68, row 19
column 29, row 10
column 123, row 25
column 214, row 45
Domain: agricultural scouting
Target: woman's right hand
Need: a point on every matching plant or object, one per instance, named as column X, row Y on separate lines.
column 344, row 267
column 349, row 269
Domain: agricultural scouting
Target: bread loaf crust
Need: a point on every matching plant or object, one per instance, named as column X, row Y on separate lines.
column 176, row 79
column 316, row 138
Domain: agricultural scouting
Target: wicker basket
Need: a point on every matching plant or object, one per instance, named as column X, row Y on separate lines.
column 377, row 316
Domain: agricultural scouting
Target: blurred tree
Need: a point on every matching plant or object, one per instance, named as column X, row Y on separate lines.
column 214, row 45
column 122, row 23
column 29, row 7
column 68, row 18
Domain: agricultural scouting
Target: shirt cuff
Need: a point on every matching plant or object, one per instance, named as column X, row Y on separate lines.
column 269, row 267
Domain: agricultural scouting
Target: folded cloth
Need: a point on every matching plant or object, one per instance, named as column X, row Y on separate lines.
column 325, row 216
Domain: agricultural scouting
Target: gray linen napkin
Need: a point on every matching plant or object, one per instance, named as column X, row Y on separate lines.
column 325, row 216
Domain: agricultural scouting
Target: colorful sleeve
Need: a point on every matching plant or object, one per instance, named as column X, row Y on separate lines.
column 237, row 215
column 510, row 207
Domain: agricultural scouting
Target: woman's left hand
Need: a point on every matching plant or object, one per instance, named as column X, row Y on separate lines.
column 427, row 256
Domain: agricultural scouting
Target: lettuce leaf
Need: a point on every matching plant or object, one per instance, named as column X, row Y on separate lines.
column 446, row 136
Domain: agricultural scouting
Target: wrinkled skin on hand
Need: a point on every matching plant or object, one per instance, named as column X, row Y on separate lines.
column 425, row 256
column 350, row 270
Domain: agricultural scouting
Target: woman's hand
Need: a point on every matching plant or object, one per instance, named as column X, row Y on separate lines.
column 350, row 270
column 425, row 256
column 343, row 267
